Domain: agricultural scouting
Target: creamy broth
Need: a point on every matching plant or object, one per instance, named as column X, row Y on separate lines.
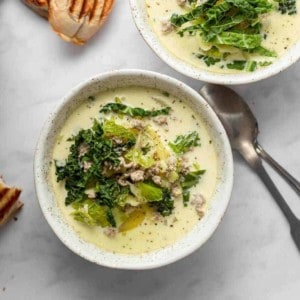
column 282, row 32
column 152, row 234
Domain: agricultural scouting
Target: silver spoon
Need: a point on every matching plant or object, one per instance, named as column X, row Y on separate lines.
column 294, row 183
column 242, row 130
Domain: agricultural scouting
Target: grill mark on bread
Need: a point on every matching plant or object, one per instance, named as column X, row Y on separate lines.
column 9, row 201
column 74, row 21
column 78, row 7
column 108, row 5
column 93, row 10
column 71, row 8
column 3, row 191
column 12, row 199
column 84, row 9
column 87, row 8
column 97, row 11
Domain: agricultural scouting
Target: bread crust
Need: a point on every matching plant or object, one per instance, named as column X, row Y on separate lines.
column 39, row 6
column 74, row 21
column 79, row 20
column 9, row 202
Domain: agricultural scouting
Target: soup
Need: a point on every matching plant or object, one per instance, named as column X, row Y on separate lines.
column 133, row 170
column 229, row 41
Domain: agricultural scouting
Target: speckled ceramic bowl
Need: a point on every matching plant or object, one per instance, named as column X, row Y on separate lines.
column 43, row 156
column 139, row 13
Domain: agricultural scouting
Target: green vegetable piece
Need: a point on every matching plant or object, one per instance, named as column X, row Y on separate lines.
column 234, row 23
column 179, row 20
column 183, row 143
column 191, row 179
column 133, row 111
column 150, row 193
column 110, row 218
column 209, row 61
column 212, row 56
column 90, row 213
column 287, row 6
column 238, row 40
column 166, row 205
column 249, row 66
column 91, row 148
column 109, row 192
column 188, row 181
column 137, row 156
column 263, row 51
column 265, row 63
column 185, row 196
column 112, row 129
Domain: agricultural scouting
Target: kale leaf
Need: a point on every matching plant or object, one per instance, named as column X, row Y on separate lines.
column 249, row 66
column 183, row 143
column 133, row 111
column 188, row 181
column 287, row 6
column 234, row 23
column 166, row 205
column 90, row 151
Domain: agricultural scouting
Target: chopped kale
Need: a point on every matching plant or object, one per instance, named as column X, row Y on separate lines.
column 164, row 206
column 249, row 66
column 183, row 143
column 112, row 167
column 133, row 111
column 110, row 218
column 89, row 153
column 234, row 23
column 287, row 6
column 188, row 181
column 209, row 60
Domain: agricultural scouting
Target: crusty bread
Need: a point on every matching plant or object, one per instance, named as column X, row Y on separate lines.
column 39, row 6
column 9, row 202
column 79, row 20
column 74, row 21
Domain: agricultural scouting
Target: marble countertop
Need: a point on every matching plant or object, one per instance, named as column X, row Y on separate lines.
column 250, row 256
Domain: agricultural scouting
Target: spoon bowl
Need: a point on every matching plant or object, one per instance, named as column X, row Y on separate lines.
column 237, row 118
column 242, row 127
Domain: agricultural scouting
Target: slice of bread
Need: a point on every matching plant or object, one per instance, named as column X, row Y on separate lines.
column 9, row 202
column 77, row 21
column 74, row 21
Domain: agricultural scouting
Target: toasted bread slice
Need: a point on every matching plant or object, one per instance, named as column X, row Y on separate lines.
column 39, row 6
column 78, row 20
column 9, row 202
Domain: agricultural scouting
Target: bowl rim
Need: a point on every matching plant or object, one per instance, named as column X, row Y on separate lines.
column 41, row 185
column 146, row 31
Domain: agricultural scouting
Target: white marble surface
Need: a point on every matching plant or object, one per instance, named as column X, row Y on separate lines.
column 251, row 255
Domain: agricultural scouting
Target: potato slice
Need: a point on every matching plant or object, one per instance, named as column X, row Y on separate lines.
column 134, row 220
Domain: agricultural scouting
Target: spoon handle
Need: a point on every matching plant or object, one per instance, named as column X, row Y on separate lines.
column 248, row 152
column 261, row 171
column 292, row 219
column 293, row 182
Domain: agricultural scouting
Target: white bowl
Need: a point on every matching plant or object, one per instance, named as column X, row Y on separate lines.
column 43, row 156
column 139, row 13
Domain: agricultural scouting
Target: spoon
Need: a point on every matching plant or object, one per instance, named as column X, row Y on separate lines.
column 242, row 130
column 295, row 184
column 229, row 105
